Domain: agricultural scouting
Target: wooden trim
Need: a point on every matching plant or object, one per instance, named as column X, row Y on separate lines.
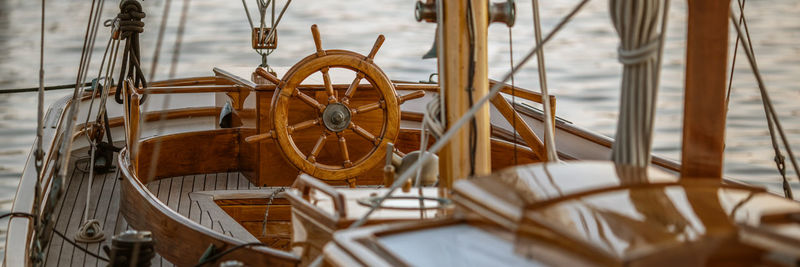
column 411, row 116
column 185, row 81
column 522, row 127
column 225, row 76
column 144, row 211
column 527, row 95
column 694, row 184
column 189, row 89
column 189, row 153
column 704, row 100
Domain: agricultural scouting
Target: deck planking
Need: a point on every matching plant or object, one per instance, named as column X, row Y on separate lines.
column 104, row 207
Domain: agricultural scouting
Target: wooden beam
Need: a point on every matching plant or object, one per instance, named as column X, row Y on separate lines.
column 453, row 66
column 704, row 100
column 522, row 127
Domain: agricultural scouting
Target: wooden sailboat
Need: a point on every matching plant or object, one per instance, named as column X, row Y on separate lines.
column 269, row 168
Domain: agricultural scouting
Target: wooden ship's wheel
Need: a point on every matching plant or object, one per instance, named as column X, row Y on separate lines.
column 311, row 124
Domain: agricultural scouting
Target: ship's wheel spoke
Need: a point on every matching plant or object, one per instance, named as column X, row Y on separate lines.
column 353, row 87
column 335, row 110
column 363, row 133
column 368, row 107
column 303, row 125
column 343, row 149
column 309, row 100
column 312, row 157
column 326, row 78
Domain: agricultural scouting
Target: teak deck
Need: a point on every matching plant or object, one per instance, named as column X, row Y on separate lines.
column 104, row 206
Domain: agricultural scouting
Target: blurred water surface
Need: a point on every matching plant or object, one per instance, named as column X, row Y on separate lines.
column 581, row 63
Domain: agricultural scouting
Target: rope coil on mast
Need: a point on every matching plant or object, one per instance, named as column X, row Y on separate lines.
column 639, row 51
column 130, row 26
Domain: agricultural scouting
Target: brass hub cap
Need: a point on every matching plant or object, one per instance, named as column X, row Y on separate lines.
column 336, row 117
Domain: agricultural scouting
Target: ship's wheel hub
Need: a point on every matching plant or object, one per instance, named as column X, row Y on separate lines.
column 336, row 117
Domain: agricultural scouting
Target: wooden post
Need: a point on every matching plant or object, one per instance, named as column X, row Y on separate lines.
column 704, row 100
column 454, row 70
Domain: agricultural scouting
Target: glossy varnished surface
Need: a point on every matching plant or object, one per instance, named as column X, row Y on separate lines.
column 182, row 240
column 594, row 214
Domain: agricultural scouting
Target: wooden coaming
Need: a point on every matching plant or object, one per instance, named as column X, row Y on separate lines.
column 179, row 239
column 194, row 153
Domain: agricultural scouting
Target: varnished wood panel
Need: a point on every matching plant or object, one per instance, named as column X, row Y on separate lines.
column 192, row 153
column 178, row 238
column 704, row 99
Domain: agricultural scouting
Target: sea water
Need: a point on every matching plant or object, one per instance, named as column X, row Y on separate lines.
column 581, row 63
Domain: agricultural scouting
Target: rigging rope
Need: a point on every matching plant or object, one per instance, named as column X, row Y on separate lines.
column 40, row 101
column 549, row 130
column 39, row 153
column 639, row 50
column 45, row 88
column 773, row 122
column 446, row 136
column 130, row 26
column 160, row 39
column 167, row 98
column 262, row 11
column 62, row 155
column 735, row 52
column 470, row 90
column 513, row 91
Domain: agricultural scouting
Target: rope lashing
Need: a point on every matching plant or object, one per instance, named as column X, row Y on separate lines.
column 638, row 55
column 130, row 26
column 640, row 44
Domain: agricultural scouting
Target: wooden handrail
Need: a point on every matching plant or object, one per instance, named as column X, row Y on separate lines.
column 189, row 89
column 185, row 81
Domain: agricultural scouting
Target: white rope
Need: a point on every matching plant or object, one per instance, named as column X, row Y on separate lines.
column 635, row 22
column 433, row 126
column 549, row 131
column 446, row 136
column 82, row 76
column 91, row 230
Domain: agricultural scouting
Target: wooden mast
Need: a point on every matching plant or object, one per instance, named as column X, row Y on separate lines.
column 454, row 77
column 704, row 99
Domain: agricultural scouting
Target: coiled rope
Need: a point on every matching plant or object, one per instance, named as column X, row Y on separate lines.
column 130, row 26
column 639, row 51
